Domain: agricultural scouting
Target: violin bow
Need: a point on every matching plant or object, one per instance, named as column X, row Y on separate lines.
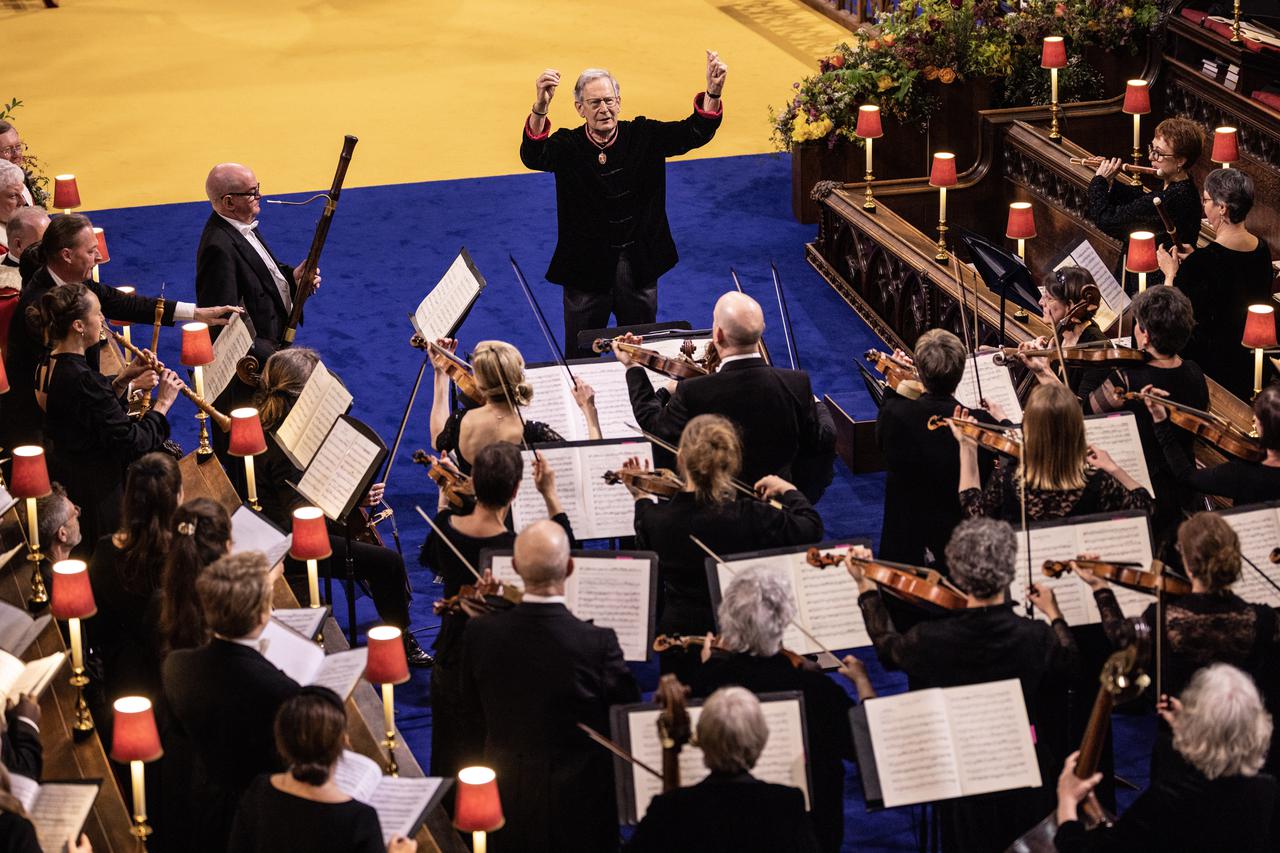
column 542, row 320
column 792, row 354
column 616, row 750
column 448, row 541
column 970, row 343
column 794, row 621
column 737, row 484
column 1261, row 573
column 737, row 284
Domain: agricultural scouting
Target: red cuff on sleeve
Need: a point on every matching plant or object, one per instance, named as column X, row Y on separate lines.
column 697, row 107
column 546, row 131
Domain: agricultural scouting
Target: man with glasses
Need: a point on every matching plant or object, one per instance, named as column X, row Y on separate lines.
column 13, row 150
column 614, row 240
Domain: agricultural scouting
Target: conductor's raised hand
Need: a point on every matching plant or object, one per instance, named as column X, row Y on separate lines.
column 716, row 72
column 546, row 89
column 216, row 315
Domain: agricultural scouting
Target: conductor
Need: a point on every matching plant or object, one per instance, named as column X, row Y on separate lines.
column 614, row 240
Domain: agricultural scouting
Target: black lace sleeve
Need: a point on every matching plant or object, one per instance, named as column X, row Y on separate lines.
column 448, row 438
column 536, row 432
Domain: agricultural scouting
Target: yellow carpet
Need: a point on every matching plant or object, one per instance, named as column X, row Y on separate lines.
column 139, row 98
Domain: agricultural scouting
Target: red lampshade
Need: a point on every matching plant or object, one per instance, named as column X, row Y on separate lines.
column 1260, row 327
column 101, row 237
column 1142, row 252
column 246, row 433
column 1137, row 97
column 134, row 736
column 197, row 348
column 478, row 808
column 66, row 194
column 4, row 379
column 1054, row 53
column 1226, row 145
column 869, row 122
column 1022, row 221
column 387, row 663
column 310, row 536
column 124, row 288
column 943, row 173
column 72, row 596
column 30, row 475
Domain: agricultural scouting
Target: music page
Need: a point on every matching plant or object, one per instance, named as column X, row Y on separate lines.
column 553, row 403
column 357, row 775
column 33, row 677
column 232, row 344
column 529, row 506
column 1117, row 433
column 992, row 734
column 997, row 386
column 338, row 469
column 399, row 801
column 322, row 401
column 596, row 509
column 911, row 739
column 1259, row 532
column 306, row 621
column 58, row 810
column 613, row 400
column 252, row 532
column 1084, row 255
column 18, row 630
column 441, row 311
column 782, row 762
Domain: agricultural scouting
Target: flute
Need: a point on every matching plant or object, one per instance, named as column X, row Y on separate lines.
column 1095, row 162
column 1168, row 223
column 223, row 421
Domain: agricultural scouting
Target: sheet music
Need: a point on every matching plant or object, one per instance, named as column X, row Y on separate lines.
column 441, row 310
column 992, row 735
column 18, row 630
column 1259, row 532
column 1084, row 255
column 529, row 506
column 997, row 386
column 341, row 670
column 58, row 810
column 1117, row 433
column 911, row 739
column 293, row 654
column 595, row 509
column 17, row 678
column 613, row 400
column 553, row 403
column 782, row 762
column 1123, row 539
column 401, row 802
column 357, row 775
column 252, row 532
column 7, row 502
column 232, row 344
column 306, row 621
column 322, row 401
column 338, row 469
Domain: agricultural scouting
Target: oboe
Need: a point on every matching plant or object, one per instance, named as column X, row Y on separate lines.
column 1095, row 162
column 223, row 422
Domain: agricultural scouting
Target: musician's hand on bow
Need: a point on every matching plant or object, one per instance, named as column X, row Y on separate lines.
column 545, row 89
column 772, row 486
column 1085, row 574
column 1043, row 599
column 624, row 358
column 901, row 356
column 716, row 72
column 544, row 476
column 1072, row 790
column 216, row 315
column 965, row 441
column 708, row 646
column 1101, row 459
column 1037, row 364
column 1158, row 412
column 488, row 584
column 374, row 497
column 297, row 276
column 635, row 464
column 583, row 394
column 400, row 844
column 1108, row 168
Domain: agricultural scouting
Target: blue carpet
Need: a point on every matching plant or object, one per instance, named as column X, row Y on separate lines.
column 387, row 247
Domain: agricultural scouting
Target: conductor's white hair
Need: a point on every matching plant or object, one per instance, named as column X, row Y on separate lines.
column 11, row 175
column 755, row 611
column 594, row 74
column 1223, row 729
column 732, row 730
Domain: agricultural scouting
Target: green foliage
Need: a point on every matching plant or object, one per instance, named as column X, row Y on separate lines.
column 36, row 177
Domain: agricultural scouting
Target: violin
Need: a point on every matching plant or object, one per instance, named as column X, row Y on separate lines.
column 458, row 489
column 667, row 642
column 674, row 727
column 458, row 371
column 471, row 602
column 1128, row 575
column 1094, row 352
column 1001, row 439
column 662, row 482
column 913, row 584
column 898, row 375
column 1212, row 428
column 679, row 367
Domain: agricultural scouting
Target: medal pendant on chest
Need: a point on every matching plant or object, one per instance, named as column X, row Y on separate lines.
column 603, row 159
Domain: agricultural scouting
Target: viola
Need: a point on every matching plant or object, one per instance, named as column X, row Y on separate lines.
column 1095, row 352
column 662, row 483
column 679, row 367
column 458, row 371
column 914, row 584
column 471, row 602
column 667, row 642
column 991, row 436
column 458, row 489
column 674, row 727
column 1128, row 575
column 1212, row 428
column 898, row 375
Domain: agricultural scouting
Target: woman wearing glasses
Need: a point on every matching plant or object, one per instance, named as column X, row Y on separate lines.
column 1120, row 208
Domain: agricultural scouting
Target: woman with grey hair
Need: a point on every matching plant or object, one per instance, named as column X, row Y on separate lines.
column 987, row 641
column 1222, row 279
column 730, row 811
column 11, row 198
column 755, row 611
column 1213, row 799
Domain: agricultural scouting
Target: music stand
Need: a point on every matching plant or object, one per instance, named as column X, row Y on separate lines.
column 875, row 385
column 587, row 337
column 1003, row 272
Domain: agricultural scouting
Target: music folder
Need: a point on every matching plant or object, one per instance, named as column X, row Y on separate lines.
column 1258, row 526
column 444, row 308
column 343, row 467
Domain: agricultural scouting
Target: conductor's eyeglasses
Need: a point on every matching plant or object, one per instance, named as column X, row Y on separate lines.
column 13, row 149
column 595, row 103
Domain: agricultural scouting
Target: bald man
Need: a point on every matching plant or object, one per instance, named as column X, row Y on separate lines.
column 773, row 408
column 530, row 675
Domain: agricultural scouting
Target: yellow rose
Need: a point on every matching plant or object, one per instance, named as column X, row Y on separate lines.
column 947, row 75
column 873, row 45
column 1126, row 12
column 930, row 73
column 883, row 82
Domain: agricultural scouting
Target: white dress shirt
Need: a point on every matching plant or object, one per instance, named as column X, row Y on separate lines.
column 182, row 311
column 248, row 230
column 742, row 357
column 530, row 598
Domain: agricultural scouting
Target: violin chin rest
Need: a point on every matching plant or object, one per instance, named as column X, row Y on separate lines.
column 910, row 388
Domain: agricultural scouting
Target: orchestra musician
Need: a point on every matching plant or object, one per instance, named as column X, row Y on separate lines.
column 1120, row 208
column 921, row 506
column 1064, row 475
column 1242, row 481
column 1214, row 798
column 613, row 238
column 202, row 531
column 531, row 674
column 224, row 695
column 90, row 438
column 303, row 808
column 1064, row 290
column 1222, row 279
column 986, row 642
column 730, row 811
column 59, row 521
column 726, row 520
column 1209, row 624
column 773, row 408
column 283, row 377
column 756, row 610
column 500, row 379
column 14, row 150
column 26, row 228
column 20, row 748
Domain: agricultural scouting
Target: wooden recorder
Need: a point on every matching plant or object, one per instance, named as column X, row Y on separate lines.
column 1095, row 162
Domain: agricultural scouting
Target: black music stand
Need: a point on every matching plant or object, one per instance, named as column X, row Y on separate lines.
column 1003, row 272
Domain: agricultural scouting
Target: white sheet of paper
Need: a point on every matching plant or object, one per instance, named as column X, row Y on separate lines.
column 18, row 630
column 1084, row 255
column 595, row 509
column 997, row 386
column 232, row 344
column 252, row 532
column 58, row 810
column 992, row 734
column 341, row 670
column 1259, row 532
column 338, row 469
column 293, row 654
column 613, row 401
column 306, row 621
column 322, row 401
column 529, row 506
column 357, row 775
column 1117, row 433
column 36, row 675
column 443, row 306
column 553, row 403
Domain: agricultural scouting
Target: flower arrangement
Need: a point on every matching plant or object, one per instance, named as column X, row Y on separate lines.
column 931, row 43
column 38, row 181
